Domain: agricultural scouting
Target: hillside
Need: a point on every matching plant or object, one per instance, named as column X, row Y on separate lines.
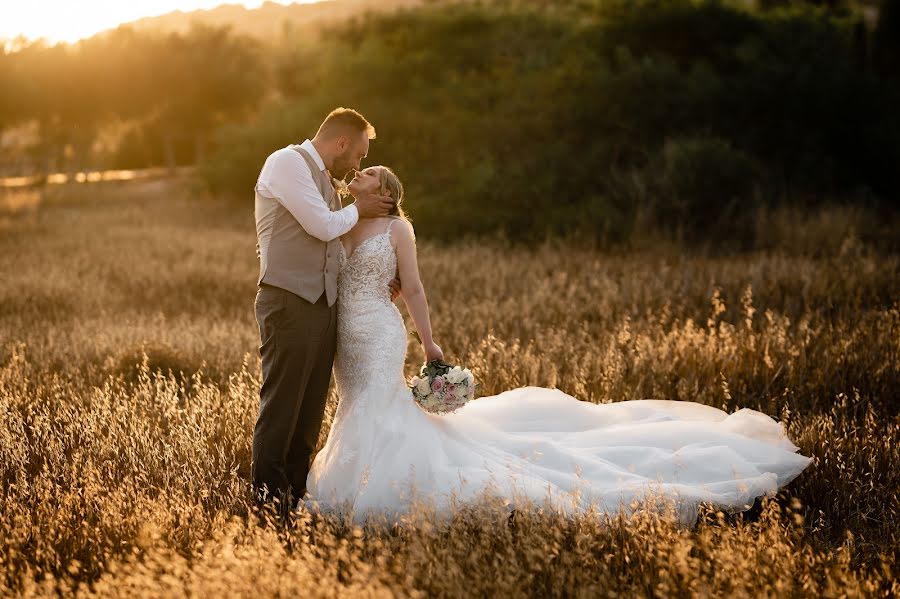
column 271, row 22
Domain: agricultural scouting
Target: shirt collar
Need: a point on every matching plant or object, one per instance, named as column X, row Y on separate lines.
column 311, row 149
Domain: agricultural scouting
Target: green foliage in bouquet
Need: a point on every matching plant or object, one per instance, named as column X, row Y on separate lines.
column 435, row 368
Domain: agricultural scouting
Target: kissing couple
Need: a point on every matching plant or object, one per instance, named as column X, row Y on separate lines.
column 328, row 279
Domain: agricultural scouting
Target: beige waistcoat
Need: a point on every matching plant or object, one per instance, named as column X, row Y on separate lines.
column 291, row 258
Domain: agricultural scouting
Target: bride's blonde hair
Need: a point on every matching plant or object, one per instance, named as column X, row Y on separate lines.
column 390, row 183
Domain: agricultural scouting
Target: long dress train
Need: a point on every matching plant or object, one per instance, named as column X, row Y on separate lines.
column 532, row 444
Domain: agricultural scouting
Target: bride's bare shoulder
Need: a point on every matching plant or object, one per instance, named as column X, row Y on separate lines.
column 398, row 223
column 402, row 230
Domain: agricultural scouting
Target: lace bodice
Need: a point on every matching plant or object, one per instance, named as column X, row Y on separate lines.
column 371, row 341
column 365, row 274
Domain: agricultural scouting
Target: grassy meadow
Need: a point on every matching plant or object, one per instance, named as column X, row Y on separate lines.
column 129, row 379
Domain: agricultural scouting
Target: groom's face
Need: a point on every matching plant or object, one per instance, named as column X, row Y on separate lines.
column 355, row 148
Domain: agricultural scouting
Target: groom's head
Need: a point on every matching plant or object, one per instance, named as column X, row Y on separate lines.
column 343, row 141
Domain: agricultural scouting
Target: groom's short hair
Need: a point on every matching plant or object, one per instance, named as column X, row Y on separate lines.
column 341, row 119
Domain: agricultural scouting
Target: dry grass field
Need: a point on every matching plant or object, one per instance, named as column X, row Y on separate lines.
column 128, row 392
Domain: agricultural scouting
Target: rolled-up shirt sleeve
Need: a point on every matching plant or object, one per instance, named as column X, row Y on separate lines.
column 289, row 181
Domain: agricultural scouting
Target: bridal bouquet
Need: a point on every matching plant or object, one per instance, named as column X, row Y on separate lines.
column 441, row 388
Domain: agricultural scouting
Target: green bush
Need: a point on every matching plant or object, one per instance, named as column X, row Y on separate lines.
column 705, row 191
column 524, row 119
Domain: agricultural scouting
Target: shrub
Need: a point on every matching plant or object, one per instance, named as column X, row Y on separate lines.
column 518, row 118
column 705, row 190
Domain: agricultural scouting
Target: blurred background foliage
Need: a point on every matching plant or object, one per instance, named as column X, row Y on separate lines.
column 600, row 118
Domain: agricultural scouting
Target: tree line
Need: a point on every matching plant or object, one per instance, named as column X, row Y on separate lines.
column 168, row 91
column 527, row 117
column 602, row 118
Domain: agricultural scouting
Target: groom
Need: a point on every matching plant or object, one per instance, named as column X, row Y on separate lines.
column 299, row 220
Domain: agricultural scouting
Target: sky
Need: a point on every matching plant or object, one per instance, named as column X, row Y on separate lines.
column 71, row 20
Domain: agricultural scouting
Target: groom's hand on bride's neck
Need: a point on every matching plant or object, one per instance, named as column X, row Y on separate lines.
column 372, row 205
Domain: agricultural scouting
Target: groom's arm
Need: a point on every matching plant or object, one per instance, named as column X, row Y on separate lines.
column 289, row 181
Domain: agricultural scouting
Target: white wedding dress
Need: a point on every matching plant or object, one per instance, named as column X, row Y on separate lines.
column 530, row 443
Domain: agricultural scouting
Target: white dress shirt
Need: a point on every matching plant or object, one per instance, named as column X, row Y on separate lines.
column 285, row 177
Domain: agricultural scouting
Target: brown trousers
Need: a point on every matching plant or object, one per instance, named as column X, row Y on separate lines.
column 298, row 341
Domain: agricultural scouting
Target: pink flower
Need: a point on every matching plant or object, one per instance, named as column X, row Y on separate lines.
column 437, row 384
column 450, row 389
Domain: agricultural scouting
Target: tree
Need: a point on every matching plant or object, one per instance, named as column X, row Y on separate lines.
column 201, row 80
column 887, row 39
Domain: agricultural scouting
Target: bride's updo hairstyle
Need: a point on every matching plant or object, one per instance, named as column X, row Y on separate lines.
column 390, row 183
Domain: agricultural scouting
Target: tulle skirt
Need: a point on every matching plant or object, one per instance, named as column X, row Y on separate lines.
column 540, row 446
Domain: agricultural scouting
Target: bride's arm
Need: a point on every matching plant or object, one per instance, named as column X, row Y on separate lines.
column 411, row 287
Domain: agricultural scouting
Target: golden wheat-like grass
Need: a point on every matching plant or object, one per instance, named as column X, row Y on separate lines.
column 129, row 380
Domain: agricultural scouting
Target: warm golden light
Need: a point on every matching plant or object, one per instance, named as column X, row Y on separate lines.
column 67, row 21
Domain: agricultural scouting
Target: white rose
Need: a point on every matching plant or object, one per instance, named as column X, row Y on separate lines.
column 461, row 392
column 423, row 387
column 455, row 376
column 470, row 378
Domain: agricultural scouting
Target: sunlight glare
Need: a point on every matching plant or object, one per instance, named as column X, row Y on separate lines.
column 67, row 21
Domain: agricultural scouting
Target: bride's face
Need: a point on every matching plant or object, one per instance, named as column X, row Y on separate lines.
column 365, row 181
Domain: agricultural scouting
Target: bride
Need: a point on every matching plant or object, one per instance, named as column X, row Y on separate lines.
column 384, row 453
